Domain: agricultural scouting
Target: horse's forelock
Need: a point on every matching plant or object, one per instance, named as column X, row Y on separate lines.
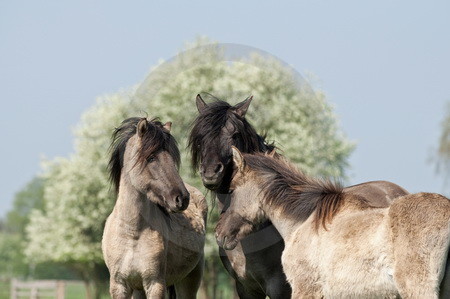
column 158, row 139
column 155, row 138
column 206, row 128
column 208, row 125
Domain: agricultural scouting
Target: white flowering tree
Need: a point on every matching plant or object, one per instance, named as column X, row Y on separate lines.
column 77, row 194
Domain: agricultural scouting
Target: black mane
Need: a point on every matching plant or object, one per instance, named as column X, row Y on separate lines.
column 208, row 125
column 155, row 139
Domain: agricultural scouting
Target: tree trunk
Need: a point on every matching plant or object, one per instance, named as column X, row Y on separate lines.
column 87, row 287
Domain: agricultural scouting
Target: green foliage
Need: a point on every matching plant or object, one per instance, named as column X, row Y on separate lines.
column 12, row 234
column 77, row 193
column 13, row 262
column 29, row 198
column 11, row 255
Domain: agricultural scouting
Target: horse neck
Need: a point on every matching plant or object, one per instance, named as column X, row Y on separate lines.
column 134, row 209
column 284, row 225
column 223, row 200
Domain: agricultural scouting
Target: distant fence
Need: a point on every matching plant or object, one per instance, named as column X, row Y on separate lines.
column 37, row 289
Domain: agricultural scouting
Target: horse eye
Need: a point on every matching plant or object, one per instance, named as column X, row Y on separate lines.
column 151, row 159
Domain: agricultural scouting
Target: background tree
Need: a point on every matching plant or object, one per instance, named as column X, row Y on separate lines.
column 12, row 240
column 77, row 193
column 29, row 198
column 12, row 234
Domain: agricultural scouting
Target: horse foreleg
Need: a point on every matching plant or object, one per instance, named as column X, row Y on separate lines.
column 278, row 287
column 246, row 293
column 139, row 295
column 155, row 289
column 188, row 287
column 119, row 290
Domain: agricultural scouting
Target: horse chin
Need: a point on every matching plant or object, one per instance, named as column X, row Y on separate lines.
column 175, row 209
column 212, row 184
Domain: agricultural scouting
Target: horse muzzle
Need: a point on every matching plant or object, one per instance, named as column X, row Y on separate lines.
column 212, row 176
column 179, row 203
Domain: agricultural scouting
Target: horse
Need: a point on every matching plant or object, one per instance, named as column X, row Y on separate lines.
column 255, row 263
column 336, row 244
column 154, row 237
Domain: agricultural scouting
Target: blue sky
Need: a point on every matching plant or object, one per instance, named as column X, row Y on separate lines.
column 384, row 65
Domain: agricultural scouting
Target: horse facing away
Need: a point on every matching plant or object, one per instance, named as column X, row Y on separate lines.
column 155, row 235
column 255, row 263
column 337, row 245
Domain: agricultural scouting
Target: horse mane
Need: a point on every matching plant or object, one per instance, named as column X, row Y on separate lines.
column 285, row 186
column 208, row 125
column 155, row 139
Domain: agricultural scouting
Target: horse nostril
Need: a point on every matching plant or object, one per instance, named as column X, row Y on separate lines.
column 178, row 201
column 182, row 201
column 219, row 168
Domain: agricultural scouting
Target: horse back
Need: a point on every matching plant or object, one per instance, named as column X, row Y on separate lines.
column 377, row 194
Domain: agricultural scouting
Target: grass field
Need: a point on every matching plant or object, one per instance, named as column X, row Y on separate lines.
column 4, row 289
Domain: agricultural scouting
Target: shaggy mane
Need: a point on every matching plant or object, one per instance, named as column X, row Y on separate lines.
column 208, row 125
column 155, row 139
column 284, row 186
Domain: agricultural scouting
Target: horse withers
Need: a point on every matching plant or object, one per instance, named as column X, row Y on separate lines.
column 336, row 244
column 155, row 235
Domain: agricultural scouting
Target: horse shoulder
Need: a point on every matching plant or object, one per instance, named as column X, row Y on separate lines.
column 188, row 228
column 300, row 259
column 355, row 253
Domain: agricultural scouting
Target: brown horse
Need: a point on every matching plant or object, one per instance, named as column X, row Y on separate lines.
column 255, row 263
column 155, row 235
column 337, row 244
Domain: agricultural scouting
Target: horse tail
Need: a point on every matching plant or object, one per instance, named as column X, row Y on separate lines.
column 171, row 292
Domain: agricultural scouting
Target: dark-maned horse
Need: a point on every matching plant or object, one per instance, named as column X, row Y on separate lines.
column 255, row 263
column 336, row 244
column 155, row 235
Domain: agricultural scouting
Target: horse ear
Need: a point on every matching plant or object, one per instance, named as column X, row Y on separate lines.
column 168, row 126
column 201, row 105
column 238, row 159
column 142, row 127
column 272, row 153
column 241, row 108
